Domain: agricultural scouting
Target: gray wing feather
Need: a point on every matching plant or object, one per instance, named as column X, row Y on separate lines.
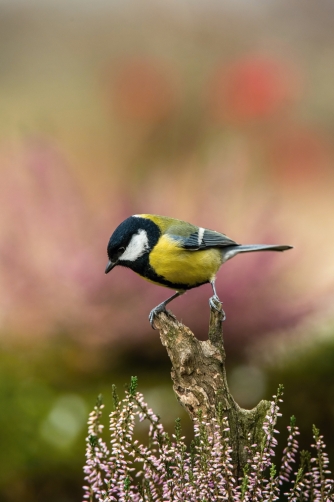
column 208, row 239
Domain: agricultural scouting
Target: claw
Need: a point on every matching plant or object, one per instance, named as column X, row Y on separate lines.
column 162, row 308
column 156, row 311
column 216, row 304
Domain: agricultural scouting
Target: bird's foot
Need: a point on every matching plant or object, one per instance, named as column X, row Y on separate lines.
column 157, row 310
column 216, row 304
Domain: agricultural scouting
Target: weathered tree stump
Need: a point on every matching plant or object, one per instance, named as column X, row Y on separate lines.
column 200, row 384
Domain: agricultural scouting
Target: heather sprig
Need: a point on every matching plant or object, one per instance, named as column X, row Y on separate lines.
column 168, row 471
column 306, row 480
column 272, row 490
column 289, row 453
column 97, row 456
column 323, row 486
column 260, row 458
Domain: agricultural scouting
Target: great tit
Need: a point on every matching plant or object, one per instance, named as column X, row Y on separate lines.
column 174, row 254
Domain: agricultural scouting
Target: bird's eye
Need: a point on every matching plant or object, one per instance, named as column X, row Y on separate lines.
column 121, row 250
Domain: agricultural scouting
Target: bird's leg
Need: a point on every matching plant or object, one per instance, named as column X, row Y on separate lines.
column 162, row 307
column 214, row 301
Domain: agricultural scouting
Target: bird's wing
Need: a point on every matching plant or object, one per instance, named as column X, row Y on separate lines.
column 203, row 239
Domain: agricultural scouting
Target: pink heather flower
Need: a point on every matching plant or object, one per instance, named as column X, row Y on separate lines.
column 170, row 472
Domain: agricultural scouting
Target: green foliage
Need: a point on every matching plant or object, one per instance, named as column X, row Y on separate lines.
column 115, row 398
column 133, row 386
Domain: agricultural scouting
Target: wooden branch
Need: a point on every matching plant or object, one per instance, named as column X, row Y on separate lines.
column 199, row 382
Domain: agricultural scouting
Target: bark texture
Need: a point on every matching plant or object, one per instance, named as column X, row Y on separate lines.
column 199, row 382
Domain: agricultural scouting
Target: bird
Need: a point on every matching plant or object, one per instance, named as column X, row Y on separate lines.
column 174, row 254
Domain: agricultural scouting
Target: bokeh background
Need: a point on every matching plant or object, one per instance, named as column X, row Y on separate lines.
column 219, row 113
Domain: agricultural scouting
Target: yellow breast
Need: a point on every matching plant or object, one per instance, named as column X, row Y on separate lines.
column 179, row 266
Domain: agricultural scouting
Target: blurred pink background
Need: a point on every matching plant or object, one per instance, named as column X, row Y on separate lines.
column 218, row 113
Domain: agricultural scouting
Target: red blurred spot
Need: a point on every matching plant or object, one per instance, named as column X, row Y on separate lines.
column 251, row 88
column 144, row 90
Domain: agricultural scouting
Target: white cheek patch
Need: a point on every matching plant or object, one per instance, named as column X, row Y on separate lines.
column 200, row 235
column 136, row 247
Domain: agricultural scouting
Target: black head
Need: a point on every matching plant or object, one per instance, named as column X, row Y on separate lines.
column 131, row 242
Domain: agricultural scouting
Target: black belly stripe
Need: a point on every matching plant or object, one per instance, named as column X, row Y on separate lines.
column 150, row 274
column 143, row 268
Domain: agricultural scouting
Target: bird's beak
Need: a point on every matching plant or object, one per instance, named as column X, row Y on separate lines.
column 110, row 266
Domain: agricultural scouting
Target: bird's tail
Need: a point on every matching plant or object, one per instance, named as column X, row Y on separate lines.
column 230, row 251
